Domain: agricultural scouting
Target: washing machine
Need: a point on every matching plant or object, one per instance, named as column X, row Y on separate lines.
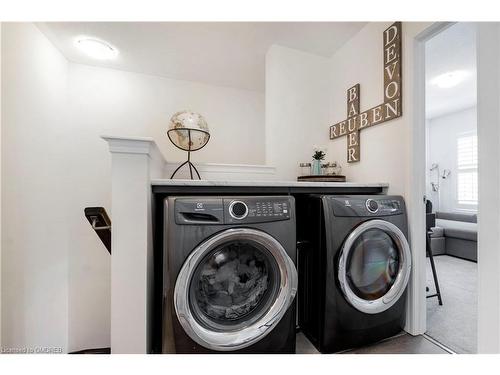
column 229, row 274
column 354, row 267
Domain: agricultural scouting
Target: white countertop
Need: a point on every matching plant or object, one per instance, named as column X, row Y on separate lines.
column 168, row 182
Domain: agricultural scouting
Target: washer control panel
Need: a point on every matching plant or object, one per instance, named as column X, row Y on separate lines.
column 366, row 205
column 257, row 209
column 232, row 210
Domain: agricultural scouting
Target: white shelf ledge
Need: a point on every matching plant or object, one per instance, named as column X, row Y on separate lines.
column 179, row 182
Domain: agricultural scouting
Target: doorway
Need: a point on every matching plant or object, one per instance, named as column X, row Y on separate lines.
column 451, row 186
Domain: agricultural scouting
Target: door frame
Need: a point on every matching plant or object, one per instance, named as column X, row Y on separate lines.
column 488, row 122
column 488, row 134
column 417, row 308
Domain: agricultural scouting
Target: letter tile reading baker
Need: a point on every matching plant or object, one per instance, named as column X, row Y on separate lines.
column 390, row 109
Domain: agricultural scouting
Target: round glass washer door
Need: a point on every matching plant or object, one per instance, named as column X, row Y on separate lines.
column 234, row 288
column 374, row 266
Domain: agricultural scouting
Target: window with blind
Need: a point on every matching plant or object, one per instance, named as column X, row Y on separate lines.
column 467, row 170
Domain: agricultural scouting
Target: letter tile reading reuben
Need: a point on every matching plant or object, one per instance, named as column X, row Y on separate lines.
column 390, row 109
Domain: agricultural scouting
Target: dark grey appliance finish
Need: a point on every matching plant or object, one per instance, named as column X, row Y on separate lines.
column 229, row 277
column 354, row 264
column 162, row 191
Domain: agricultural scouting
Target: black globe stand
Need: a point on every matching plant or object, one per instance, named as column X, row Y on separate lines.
column 189, row 150
column 191, row 167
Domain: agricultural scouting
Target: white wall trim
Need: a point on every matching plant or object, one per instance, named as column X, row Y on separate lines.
column 237, row 168
column 130, row 145
column 217, row 171
column 134, row 163
column 488, row 124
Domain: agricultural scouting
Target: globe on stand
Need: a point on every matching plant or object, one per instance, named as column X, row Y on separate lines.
column 189, row 132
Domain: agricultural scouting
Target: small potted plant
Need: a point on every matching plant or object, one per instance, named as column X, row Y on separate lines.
column 319, row 154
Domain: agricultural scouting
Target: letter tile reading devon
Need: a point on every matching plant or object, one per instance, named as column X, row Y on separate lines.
column 389, row 110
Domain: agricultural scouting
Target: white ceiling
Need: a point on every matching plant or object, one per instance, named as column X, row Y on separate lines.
column 226, row 54
column 452, row 49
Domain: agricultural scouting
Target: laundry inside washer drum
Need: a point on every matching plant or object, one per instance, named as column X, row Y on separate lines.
column 232, row 282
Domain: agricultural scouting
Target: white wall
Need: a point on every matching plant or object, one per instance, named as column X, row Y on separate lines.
column 122, row 103
column 383, row 147
column 299, row 88
column 387, row 154
column 297, row 97
column 106, row 101
column 35, row 191
column 56, row 273
column 443, row 132
column 44, row 171
column 386, row 149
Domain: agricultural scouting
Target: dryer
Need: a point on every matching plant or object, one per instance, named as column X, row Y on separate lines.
column 354, row 267
column 229, row 274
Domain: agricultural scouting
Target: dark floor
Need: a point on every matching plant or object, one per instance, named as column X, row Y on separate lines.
column 454, row 324
column 400, row 344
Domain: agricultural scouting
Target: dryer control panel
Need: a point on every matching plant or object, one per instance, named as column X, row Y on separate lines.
column 373, row 205
column 256, row 209
column 232, row 210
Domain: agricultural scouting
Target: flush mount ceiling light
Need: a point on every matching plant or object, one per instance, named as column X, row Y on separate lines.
column 449, row 79
column 96, row 48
